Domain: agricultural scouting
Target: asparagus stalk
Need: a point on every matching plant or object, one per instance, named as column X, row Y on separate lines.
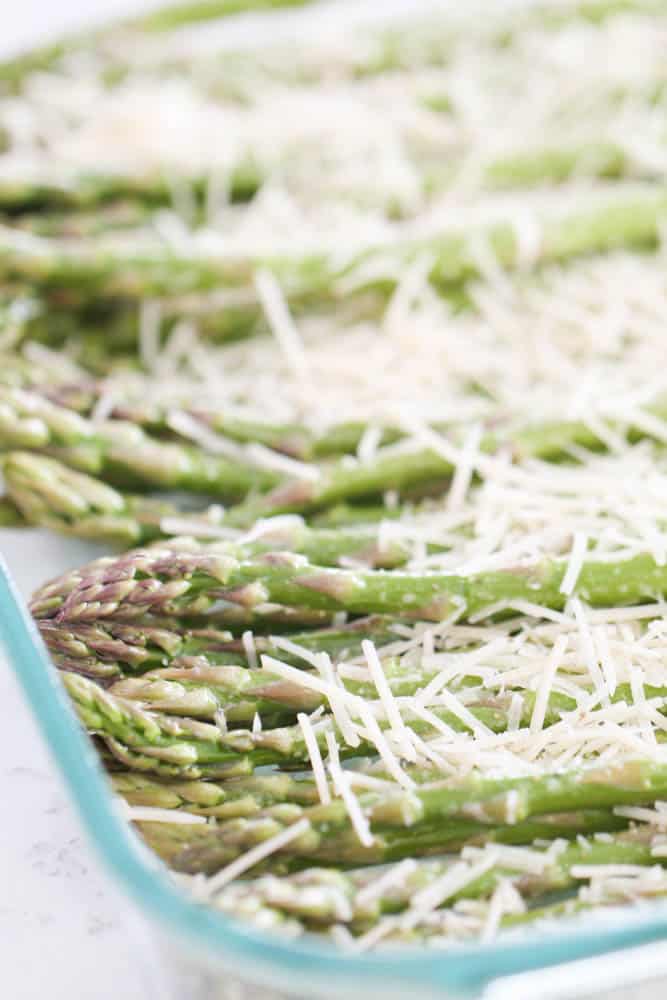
column 99, row 221
column 50, row 494
column 344, row 482
column 321, row 897
column 557, row 164
column 264, row 619
column 195, row 849
column 194, row 749
column 105, row 650
column 76, row 390
column 182, row 739
column 176, row 15
column 197, row 690
column 629, row 219
column 248, row 796
column 543, row 165
column 94, row 204
column 15, row 71
column 118, row 450
column 443, row 929
column 10, row 515
column 344, row 514
column 203, row 676
column 396, row 47
column 108, row 650
column 185, row 576
column 338, row 483
column 192, row 687
column 29, row 421
column 237, row 797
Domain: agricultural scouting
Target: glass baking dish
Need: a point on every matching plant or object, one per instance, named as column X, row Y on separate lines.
column 225, row 951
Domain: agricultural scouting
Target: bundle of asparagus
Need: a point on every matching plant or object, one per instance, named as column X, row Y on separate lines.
column 380, row 434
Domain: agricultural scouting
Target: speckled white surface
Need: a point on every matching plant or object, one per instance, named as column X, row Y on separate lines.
column 65, row 930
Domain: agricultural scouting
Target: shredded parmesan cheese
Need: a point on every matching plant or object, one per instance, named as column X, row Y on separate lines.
column 256, row 854
column 575, row 563
column 342, row 786
column 312, row 746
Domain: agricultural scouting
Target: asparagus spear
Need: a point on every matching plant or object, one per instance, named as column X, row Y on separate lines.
column 15, row 71
column 344, row 481
column 545, row 165
column 344, row 514
column 339, row 483
column 322, row 897
column 245, row 797
column 396, row 48
column 192, row 749
column 185, row 576
column 201, row 747
column 198, row 690
column 203, row 676
column 94, row 204
column 449, row 926
column 236, row 797
column 192, row 687
column 118, row 450
column 556, row 165
column 265, row 619
column 248, row 796
column 48, row 493
column 194, row 849
column 115, row 450
column 102, row 220
column 106, row 650
column 77, row 390
column 629, row 219
column 10, row 515
column 633, row 888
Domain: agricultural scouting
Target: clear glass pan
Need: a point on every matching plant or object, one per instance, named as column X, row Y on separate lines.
column 303, row 967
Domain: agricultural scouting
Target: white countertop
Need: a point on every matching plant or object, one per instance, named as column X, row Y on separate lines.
column 65, row 931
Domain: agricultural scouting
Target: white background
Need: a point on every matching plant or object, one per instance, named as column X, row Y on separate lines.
column 29, row 22
column 65, row 931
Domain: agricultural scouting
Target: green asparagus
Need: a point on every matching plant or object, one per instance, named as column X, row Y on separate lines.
column 277, row 672
column 48, row 493
column 112, row 649
column 200, row 747
column 627, row 220
column 15, row 71
column 321, row 896
column 119, row 450
column 190, row 577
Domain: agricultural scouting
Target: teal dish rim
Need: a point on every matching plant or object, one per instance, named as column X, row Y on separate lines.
column 464, row 970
